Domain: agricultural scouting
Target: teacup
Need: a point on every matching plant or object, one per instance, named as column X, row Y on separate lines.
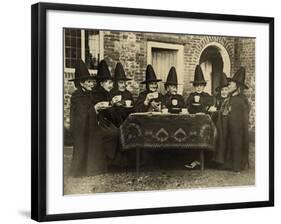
column 128, row 103
column 184, row 111
column 197, row 99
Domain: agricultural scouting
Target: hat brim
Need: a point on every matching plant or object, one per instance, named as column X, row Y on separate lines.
column 239, row 83
column 152, row 80
column 220, row 87
column 84, row 78
column 173, row 83
column 198, row 82
column 105, row 78
column 123, row 79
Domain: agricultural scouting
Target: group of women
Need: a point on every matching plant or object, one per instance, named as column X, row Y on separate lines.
column 101, row 103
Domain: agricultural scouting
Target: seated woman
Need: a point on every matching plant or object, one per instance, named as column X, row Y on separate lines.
column 103, row 107
column 88, row 153
column 172, row 100
column 149, row 100
column 199, row 101
column 121, row 98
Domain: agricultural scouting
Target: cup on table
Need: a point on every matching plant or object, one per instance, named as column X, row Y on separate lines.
column 164, row 110
column 128, row 103
column 184, row 111
column 196, row 99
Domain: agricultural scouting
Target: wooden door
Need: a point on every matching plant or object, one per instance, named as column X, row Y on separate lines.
column 162, row 61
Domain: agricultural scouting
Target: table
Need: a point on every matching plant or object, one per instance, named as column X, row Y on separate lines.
column 156, row 131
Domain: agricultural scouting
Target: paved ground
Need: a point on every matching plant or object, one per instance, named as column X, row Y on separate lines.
column 158, row 177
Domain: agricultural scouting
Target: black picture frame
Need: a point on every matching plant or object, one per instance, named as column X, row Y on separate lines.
column 39, row 114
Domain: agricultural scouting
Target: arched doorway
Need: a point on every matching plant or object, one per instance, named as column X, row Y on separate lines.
column 214, row 60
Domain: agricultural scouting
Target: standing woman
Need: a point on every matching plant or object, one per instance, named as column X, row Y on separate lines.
column 220, row 118
column 237, row 149
column 88, row 154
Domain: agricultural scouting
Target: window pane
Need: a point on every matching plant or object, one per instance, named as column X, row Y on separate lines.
column 68, row 63
column 67, row 32
column 73, row 32
column 67, row 41
column 68, row 52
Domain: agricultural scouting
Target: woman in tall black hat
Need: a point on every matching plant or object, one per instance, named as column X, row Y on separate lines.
column 221, row 95
column 220, row 118
column 106, row 115
column 88, row 153
column 150, row 99
column 237, row 146
column 172, row 100
column 121, row 98
column 199, row 101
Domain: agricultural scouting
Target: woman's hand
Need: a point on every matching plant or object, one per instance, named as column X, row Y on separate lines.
column 155, row 105
column 98, row 106
column 115, row 99
column 148, row 98
column 212, row 109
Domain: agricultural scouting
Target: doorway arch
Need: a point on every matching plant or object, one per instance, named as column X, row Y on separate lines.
column 213, row 60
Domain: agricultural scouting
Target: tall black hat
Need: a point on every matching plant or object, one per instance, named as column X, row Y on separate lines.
column 223, row 81
column 103, row 71
column 81, row 72
column 172, row 78
column 119, row 73
column 150, row 75
column 198, row 76
column 239, row 77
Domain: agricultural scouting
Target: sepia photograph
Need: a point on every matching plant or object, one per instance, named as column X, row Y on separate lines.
column 152, row 111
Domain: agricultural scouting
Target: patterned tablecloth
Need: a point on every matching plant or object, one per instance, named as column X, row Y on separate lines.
column 168, row 131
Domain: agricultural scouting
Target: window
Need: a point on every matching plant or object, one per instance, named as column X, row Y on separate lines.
column 84, row 44
column 72, row 47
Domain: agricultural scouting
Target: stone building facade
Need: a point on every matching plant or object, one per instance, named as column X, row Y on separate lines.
column 137, row 49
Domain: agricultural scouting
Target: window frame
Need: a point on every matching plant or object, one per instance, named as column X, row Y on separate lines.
column 101, row 50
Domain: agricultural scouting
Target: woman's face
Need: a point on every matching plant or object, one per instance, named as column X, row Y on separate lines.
column 199, row 88
column 224, row 92
column 152, row 86
column 232, row 86
column 121, row 85
column 88, row 84
column 107, row 85
column 173, row 89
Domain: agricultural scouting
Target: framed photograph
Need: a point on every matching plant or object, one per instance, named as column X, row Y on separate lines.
column 140, row 111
